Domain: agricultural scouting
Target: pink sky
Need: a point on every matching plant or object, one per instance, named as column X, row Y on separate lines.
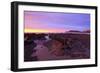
column 55, row 22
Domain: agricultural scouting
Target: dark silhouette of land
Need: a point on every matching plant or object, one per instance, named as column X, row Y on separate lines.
column 77, row 44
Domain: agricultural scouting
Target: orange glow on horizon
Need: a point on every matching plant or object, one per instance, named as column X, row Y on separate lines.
column 43, row 31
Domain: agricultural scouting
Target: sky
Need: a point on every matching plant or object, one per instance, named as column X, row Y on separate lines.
column 55, row 22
